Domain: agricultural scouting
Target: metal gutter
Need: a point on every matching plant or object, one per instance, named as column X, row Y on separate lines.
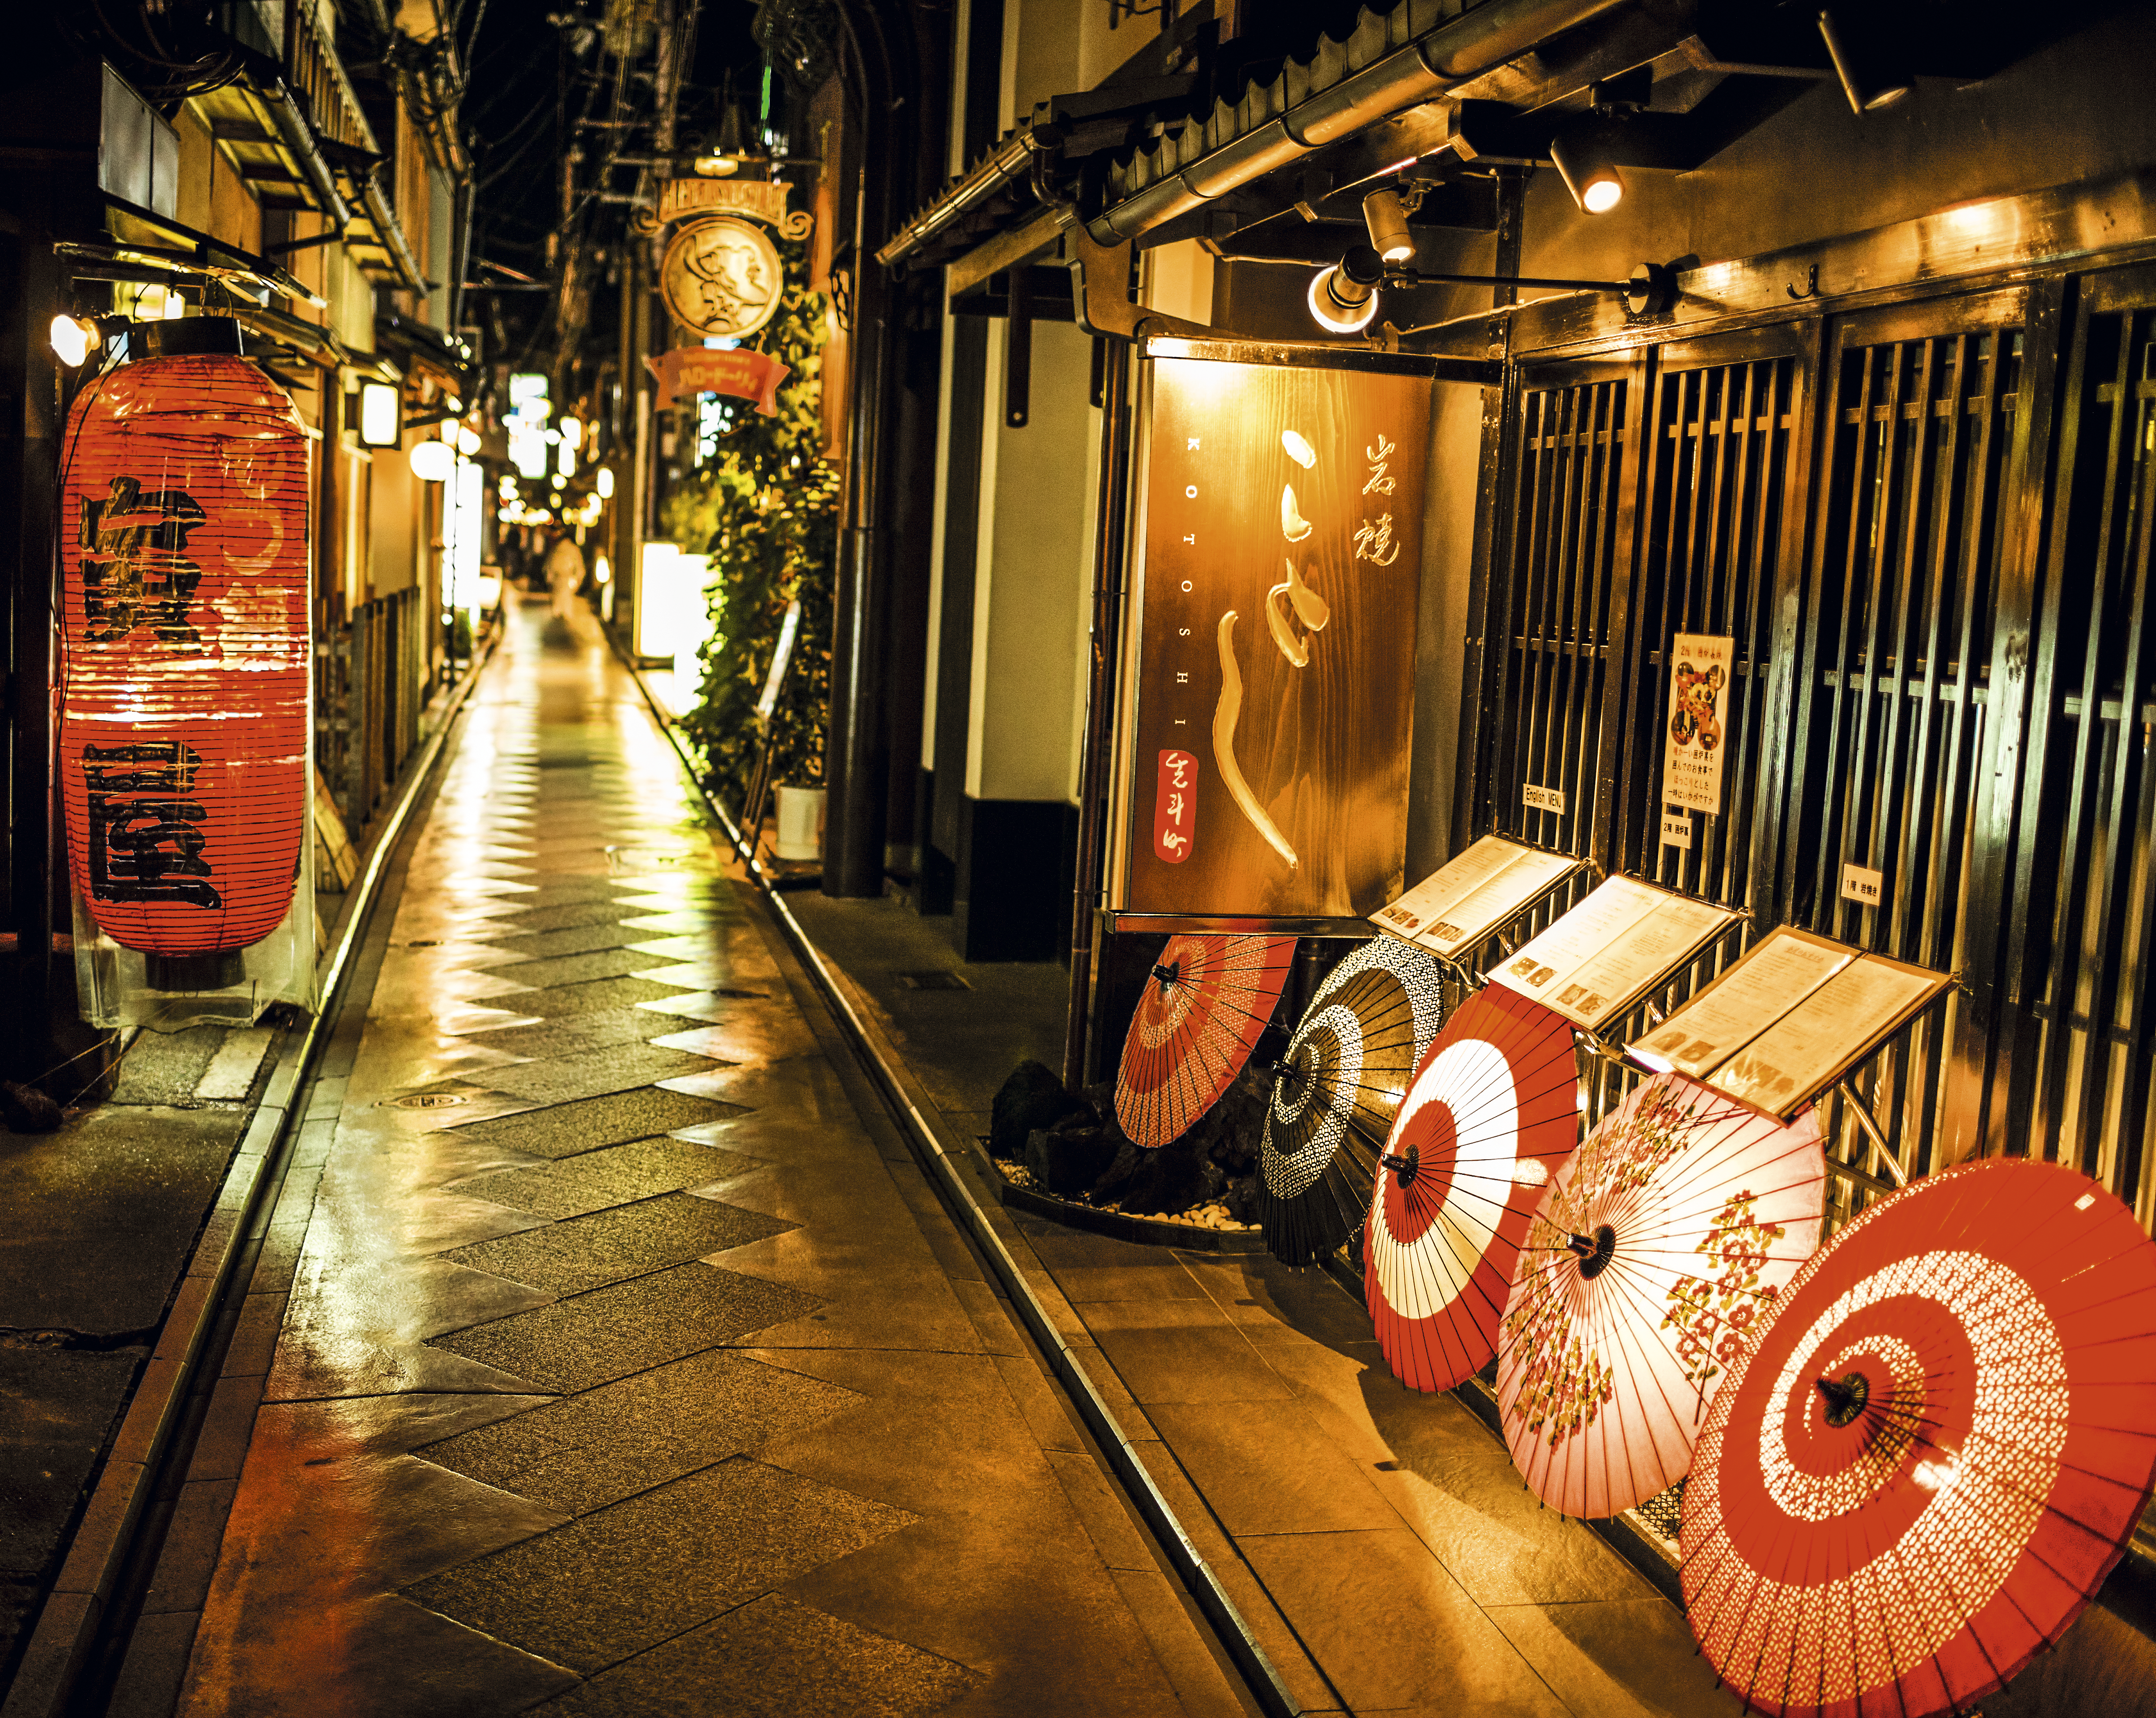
column 1468, row 46
column 389, row 235
column 298, row 137
column 1008, row 162
column 58, row 1651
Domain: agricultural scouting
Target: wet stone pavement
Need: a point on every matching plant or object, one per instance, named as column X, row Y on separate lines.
column 606, row 1356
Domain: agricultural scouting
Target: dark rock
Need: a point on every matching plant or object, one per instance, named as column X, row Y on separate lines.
column 1241, row 1199
column 1168, row 1181
column 1117, row 1175
column 1069, row 1159
column 26, row 1110
column 1033, row 1097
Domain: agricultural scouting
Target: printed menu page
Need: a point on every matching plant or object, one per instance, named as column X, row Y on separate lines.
column 1472, row 897
column 1780, row 970
column 1649, row 955
column 1814, row 1043
column 1547, row 965
column 1455, row 880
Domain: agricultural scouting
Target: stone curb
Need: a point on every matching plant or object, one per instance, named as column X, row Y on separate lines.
column 57, row 1651
column 1062, row 1340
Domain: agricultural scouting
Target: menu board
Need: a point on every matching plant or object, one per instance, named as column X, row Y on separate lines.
column 1473, row 896
column 1623, row 940
column 1780, row 971
column 1789, row 1019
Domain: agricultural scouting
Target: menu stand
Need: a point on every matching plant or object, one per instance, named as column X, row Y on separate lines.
column 1618, row 947
column 1472, row 897
column 1791, row 1021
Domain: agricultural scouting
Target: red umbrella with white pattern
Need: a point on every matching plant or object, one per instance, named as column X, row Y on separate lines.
column 1934, row 1452
column 1492, row 1113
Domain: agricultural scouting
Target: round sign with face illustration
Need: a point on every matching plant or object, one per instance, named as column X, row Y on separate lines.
column 721, row 278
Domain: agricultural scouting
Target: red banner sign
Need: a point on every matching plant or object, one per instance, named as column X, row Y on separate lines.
column 695, row 369
column 1175, row 807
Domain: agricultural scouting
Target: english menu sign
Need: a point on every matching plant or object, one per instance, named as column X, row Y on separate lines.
column 1282, row 547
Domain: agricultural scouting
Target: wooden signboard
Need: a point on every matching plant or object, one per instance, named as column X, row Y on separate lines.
column 1268, row 748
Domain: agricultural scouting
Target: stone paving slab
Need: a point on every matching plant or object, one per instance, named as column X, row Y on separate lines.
column 585, row 1451
column 564, row 1129
column 589, row 1252
column 613, row 1583
column 612, row 1332
column 613, row 1176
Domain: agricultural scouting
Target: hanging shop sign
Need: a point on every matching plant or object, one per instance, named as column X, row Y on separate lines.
column 693, row 370
column 721, row 278
column 763, row 200
column 184, row 651
column 1700, row 667
column 1267, row 762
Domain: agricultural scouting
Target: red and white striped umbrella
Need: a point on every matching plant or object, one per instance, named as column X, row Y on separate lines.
column 1491, row 1114
column 1663, row 1239
column 1935, row 1450
column 1206, row 1003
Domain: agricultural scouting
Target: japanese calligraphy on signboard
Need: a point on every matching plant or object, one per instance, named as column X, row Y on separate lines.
column 1268, row 750
column 1697, row 726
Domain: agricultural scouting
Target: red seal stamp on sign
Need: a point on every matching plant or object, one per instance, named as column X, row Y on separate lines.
column 1175, row 807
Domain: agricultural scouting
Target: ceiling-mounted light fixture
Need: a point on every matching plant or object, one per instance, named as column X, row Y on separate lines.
column 1586, row 152
column 1387, row 225
column 1869, row 77
column 1344, row 297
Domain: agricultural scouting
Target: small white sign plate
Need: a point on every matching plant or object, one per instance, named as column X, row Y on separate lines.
column 1867, row 888
column 1676, row 829
column 1542, row 798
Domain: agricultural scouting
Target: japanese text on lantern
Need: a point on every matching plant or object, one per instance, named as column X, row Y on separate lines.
column 1175, row 807
column 133, row 564
column 146, row 839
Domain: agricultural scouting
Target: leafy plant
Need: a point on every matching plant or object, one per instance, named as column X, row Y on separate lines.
column 765, row 510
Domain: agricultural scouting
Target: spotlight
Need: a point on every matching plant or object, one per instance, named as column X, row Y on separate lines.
column 74, row 339
column 1388, row 223
column 1583, row 158
column 433, row 461
column 1344, row 297
column 1868, row 79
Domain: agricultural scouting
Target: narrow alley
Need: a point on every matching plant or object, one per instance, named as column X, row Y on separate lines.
column 602, row 1351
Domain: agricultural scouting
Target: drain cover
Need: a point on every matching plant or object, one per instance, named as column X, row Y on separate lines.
column 426, row 1100
column 938, row 980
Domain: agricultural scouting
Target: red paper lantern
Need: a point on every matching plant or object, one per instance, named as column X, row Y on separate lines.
column 184, row 652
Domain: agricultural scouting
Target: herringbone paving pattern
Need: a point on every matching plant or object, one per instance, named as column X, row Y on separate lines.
column 618, row 1375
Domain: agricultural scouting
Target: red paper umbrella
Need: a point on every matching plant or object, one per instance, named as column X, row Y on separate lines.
column 183, row 713
column 1492, row 1113
column 1660, row 1244
column 1935, row 1451
column 1205, row 1006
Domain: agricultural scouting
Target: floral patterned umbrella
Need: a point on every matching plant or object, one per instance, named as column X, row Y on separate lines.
column 1493, row 1112
column 1206, row 1004
column 1335, row 1092
column 1661, row 1242
column 1935, row 1450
